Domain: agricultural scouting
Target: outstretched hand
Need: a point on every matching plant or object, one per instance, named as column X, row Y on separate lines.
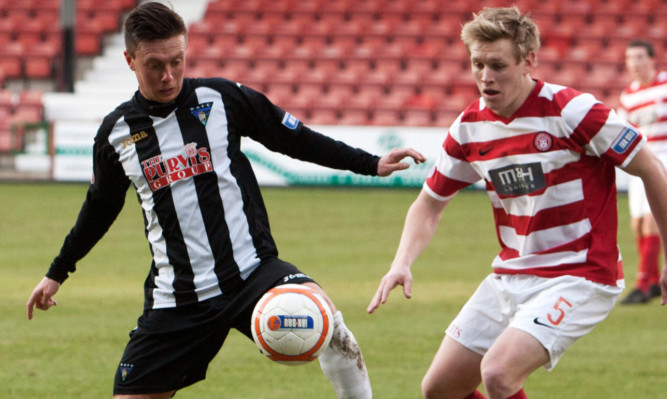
column 394, row 277
column 42, row 296
column 391, row 162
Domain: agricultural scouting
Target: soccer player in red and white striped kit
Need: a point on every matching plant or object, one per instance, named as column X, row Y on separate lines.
column 547, row 156
column 644, row 104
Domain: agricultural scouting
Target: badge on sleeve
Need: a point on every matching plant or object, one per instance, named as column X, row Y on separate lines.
column 290, row 121
column 625, row 140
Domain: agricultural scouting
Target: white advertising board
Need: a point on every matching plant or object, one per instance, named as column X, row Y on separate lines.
column 73, row 142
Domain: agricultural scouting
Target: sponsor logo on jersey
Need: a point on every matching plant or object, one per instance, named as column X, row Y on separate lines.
column 134, row 138
column 543, row 141
column 624, row 140
column 294, row 276
column 518, row 179
column 202, row 112
column 279, row 322
column 290, row 121
column 484, row 151
column 161, row 172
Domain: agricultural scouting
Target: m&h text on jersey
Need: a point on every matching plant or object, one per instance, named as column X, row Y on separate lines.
column 161, row 172
column 518, row 179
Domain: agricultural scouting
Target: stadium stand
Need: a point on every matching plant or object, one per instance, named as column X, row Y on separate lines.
column 30, row 47
column 402, row 59
column 361, row 62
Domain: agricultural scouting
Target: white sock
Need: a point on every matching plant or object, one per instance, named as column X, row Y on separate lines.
column 343, row 364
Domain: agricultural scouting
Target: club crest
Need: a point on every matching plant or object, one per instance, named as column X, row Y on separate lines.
column 125, row 370
column 202, row 112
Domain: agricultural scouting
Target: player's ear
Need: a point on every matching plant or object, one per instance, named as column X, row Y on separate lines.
column 530, row 62
column 129, row 60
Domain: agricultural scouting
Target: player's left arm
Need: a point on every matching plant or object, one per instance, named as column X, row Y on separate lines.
column 648, row 167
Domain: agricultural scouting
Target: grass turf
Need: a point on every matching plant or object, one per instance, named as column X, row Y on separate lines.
column 345, row 239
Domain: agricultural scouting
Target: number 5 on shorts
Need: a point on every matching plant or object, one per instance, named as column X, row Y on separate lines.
column 560, row 303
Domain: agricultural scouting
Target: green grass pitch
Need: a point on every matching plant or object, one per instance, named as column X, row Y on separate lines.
column 345, row 239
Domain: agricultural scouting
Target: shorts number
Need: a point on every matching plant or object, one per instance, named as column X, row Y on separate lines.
column 555, row 320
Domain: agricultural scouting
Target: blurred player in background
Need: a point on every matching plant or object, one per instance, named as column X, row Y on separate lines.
column 547, row 154
column 644, row 104
column 178, row 143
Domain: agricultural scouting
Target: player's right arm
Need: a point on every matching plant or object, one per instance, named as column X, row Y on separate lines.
column 104, row 200
column 420, row 224
column 42, row 296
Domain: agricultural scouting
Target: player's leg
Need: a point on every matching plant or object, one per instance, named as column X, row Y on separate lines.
column 642, row 230
column 651, row 249
column 171, row 349
column 454, row 372
column 509, row 362
column 342, row 362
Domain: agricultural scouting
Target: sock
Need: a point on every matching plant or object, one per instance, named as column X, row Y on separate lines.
column 475, row 395
column 343, row 364
column 519, row 395
column 649, row 255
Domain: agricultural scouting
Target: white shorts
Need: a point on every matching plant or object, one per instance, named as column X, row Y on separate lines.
column 556, row 311
column 637, row 200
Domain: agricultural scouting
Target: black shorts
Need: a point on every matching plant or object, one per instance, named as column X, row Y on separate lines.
column 172, row 348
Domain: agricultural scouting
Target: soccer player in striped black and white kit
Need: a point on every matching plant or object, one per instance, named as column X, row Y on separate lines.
column 178, row 143
column 644, row 104
column 547, row 155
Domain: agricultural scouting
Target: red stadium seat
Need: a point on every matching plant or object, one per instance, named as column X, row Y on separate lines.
column 322, row 116
column 385, row 117
column 354, row 116
column 11, row 59
column 417, row 117
column 39, row 61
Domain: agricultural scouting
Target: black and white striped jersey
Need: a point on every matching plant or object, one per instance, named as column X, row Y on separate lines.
column 204, row 216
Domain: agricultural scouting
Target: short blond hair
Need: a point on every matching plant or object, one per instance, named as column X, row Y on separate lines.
column 493, row 24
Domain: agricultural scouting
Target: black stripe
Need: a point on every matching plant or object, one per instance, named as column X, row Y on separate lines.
column 253, row 203
column 166, row 213
column 210, row 203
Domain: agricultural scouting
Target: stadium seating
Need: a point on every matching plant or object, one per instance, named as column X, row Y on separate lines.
column 376, row 62
column 30, row 44
column 406, row 49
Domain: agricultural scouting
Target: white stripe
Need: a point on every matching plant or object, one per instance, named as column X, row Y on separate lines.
column 576, row 110
column 163, row 294
column 549, row 90
column 474, row 132
column 437, row 196
column 632, row 100
column 456, row 169
column 245, row 254
column 188, row 211
column 603, row 140
column 545, row 239
column 531, row 261
column 530, row 205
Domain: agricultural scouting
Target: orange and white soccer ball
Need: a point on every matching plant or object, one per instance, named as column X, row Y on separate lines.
column 292, row 324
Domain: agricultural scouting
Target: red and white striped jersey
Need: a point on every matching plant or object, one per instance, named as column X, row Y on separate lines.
column 646, row 108
column 549, row 171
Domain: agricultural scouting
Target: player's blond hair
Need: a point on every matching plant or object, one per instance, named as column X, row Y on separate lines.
column 493, row 24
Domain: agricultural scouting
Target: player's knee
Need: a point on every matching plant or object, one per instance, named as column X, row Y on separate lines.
column 429, row 390
column 497, row 382
column 436, row 389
